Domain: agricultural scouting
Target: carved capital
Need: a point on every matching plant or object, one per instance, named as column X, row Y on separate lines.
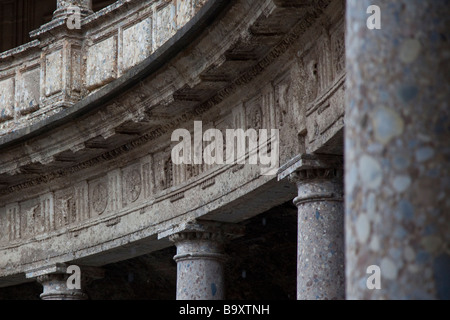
column 316, row 174
column 311, row 166
column 55, row 288
column 63, row 7
column 207, row 231
column 204, row 240
column 54, row 280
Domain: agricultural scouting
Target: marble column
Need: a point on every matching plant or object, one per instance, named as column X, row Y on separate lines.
column 57, row 282
column 320, row 246
column 397, row 150
column 200, row 261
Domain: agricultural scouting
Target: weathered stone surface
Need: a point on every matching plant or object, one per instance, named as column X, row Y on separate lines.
column 320, row 244
column 396, row 137
column 99, row 178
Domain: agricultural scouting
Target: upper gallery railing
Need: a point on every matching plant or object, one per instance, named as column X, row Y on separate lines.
column 79, row 51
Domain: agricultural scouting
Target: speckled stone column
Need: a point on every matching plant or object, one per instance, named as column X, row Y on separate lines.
column 200, row 262
column 320, row 250
column 397, row 150
column 320, row 246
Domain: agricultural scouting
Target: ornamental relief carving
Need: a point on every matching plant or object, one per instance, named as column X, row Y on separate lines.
column 133, row 185
column 99, row 197
column 280, row 103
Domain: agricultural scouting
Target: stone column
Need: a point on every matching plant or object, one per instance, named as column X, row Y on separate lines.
column 63, row 7
column 320, row 246
column 200, row 261
column 55, row 280
column 397, row 150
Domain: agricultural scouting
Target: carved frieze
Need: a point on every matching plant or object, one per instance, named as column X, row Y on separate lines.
column 98, row 196
column 133, row 184
column 275, row 103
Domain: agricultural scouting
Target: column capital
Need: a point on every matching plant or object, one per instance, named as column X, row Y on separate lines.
column 312, row 167
column 206, row 230
column 54, row 279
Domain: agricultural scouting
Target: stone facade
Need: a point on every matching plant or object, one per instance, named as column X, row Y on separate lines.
column 86, row 117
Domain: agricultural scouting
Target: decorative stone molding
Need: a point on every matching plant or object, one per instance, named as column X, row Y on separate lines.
column 206, row 230
column 54, row 281
column 63, row 6
column 105, row 159
column 62, row 65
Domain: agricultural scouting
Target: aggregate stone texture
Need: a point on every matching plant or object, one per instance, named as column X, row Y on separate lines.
column 199, row 269
column 320, row 262
column 396, row 150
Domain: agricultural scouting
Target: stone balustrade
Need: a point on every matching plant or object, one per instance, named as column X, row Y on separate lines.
column 63, row 64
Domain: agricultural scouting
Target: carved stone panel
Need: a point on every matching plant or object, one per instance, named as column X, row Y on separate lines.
column 132, row 183
column 29, row 211
column 168, row 173
column 13, row 218
column 81, row 201
column 6, row 99
column 164, row 23
column 53, row 72
column 47, row 211
column 115, row 190
column 28, row 90
column 136, row 43
column 254, row 114
column 338, row 50
column 65, row 212
column 183, row 12
column 287, row 117
column 325, row 75
column 101, row 65
column 98, row 196
column 148, row 178
column 4, row 236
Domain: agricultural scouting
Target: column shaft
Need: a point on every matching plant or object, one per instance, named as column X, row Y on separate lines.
column 320, row 260
column 200, row 261
column 396, row 150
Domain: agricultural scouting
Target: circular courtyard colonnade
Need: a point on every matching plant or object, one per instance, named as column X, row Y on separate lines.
column 89, row 105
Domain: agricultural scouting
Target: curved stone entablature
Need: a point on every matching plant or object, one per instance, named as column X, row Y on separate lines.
column 96, row 179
